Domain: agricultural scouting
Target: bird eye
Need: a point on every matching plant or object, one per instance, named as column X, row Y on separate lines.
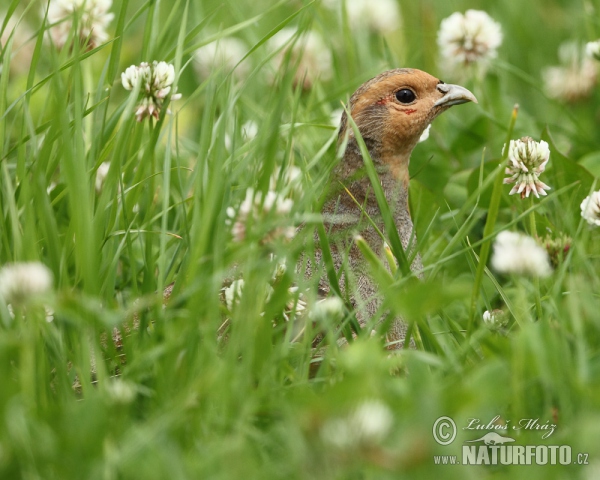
column 405, row 96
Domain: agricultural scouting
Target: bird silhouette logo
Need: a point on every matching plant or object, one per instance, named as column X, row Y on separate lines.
column 492, row 438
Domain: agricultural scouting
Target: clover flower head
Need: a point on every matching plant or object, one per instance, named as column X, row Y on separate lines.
column 468, row 39
column 308, row 51
column 367, row 425
column 495, row 319
column 590, row 209
column 155, row 81
column 380, row 16
column 515, row 253
column 330, row 310
column 22, row 48
column 233, row 293
column 574, row 78
column 254, row 209
column 225, row 54
column 592, row 49
column 92, row 18
column 287, row 181
column 527, row 160
column 21, row 281
column 120, row 392
column 249, row 130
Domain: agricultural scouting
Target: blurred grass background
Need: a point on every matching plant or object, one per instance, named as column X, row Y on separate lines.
column 174, row 401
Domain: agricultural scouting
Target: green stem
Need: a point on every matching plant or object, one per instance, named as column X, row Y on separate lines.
column 536, row 280
column 490, row 223
column 532, row 227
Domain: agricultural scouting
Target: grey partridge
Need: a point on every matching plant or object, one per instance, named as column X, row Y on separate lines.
column 391, row 112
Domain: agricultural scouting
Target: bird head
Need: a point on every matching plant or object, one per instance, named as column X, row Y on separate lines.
column 393, row 110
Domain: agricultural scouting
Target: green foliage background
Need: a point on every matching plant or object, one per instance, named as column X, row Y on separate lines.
column 175, row 401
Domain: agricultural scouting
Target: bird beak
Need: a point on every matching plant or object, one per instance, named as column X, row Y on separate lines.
column 453, row 95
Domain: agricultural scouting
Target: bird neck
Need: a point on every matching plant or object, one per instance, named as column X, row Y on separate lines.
column 394, row 178
column 392, row 169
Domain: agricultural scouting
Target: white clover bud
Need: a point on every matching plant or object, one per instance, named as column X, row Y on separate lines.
column 527, row 159
column 592, row 49
column 515, row 253
column 590, row 209
column 21, row 281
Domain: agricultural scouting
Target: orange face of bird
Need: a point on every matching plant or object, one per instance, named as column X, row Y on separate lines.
column 393, row 109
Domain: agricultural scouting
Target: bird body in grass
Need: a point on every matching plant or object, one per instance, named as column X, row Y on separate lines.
column 391, row 112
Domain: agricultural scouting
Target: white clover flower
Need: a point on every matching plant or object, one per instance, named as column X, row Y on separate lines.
column 224, row 53
column 590, row 209
column 330, row 309
column 308, row 51
column 468, row 39
column 156, row 81
column 91, row 16
column 288, row 183
column 381, row 16
column 101, row 174
column 233, row 293
column 22, row 47
column 527, row 160
column 368, row 425
column 22, row 281
column 495, row 319
column 592, row 49
column 253, row 208
column 515, row 253
column 574, row 78
column 275, row 203
column 488, row 317
column 120, row 392
column 425, row 135
column 249, row 130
